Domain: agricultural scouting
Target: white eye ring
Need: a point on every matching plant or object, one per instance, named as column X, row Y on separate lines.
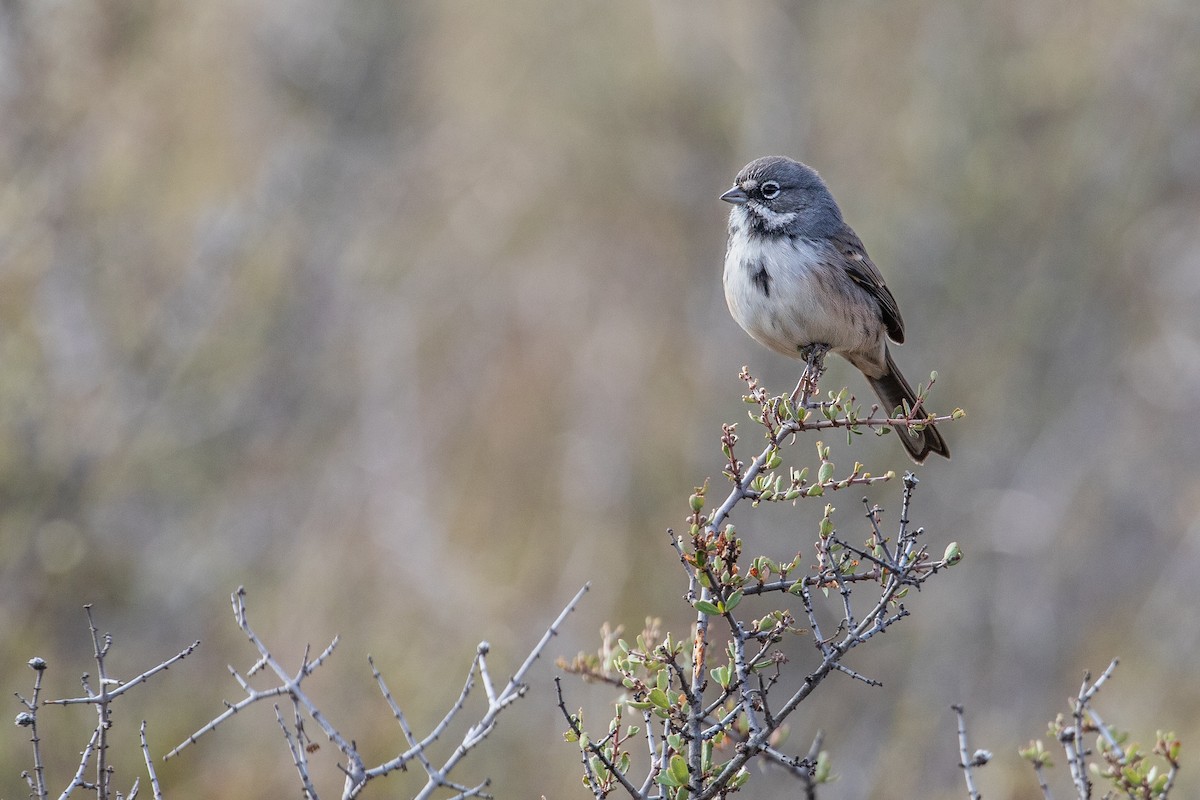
column 770, row 190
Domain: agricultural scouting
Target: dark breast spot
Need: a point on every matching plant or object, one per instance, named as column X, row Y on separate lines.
column 760, row 277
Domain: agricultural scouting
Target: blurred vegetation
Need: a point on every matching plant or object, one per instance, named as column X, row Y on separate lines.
column 408, row 317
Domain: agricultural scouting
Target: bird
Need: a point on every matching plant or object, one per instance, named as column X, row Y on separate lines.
column 797, row 276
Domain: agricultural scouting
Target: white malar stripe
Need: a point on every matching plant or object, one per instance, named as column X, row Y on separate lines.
column 772, row 220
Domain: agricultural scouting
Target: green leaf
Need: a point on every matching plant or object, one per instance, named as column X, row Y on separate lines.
column 705, row 607
column 825, row 472
column 720, row 676
column 732, row 601
column 823, row 773
column 658, row 697
column 679, row 770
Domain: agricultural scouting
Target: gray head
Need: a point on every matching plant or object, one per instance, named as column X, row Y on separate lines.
column 779, row 195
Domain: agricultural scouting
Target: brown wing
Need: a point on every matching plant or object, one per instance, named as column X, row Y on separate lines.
column 863, row 271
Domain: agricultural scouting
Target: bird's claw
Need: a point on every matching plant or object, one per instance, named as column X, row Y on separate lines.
column 814, row 368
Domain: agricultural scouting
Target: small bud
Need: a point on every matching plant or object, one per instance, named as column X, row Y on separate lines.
column 696, row 501
column 953, row 554
column 37, row 663
column 25, row 719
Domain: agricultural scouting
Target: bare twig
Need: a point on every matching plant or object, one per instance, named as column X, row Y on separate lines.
column 36, row 781
column 357, row 774
column 108, row 689
column 84, row 758
column 296, row 746
column 965, row 761
column 154, row 787
column 497, row 702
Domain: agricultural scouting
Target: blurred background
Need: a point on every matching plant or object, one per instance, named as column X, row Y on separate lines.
column 408, row 317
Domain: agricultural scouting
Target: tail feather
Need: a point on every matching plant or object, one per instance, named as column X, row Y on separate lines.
column 893, row 391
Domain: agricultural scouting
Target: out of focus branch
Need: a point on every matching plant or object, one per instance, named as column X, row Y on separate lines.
column 357, row 774
column 108, row 690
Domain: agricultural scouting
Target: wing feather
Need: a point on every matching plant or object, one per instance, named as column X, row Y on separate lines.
column 864, row 272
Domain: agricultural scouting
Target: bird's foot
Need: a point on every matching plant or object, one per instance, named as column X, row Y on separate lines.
column 814, row 368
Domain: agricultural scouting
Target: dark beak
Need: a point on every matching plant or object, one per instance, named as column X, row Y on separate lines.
column 736, row 196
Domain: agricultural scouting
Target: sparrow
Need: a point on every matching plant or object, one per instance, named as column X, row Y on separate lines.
column 797, row 276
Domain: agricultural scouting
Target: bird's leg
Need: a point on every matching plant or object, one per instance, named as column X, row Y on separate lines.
column 814, row 368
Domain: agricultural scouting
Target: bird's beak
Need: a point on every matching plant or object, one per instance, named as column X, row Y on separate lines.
column 736, row 196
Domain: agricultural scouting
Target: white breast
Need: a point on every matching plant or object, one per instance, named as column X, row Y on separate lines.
column 803, row 305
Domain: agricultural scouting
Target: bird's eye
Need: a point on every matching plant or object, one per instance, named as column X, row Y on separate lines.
column 770, row 190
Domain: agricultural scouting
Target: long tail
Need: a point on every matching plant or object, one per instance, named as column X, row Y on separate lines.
column 894, row 391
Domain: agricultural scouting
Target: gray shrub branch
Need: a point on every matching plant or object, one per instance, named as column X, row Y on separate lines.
column 357, row 773
column 1123, row 768
column 713, row 701
column 100, row 692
